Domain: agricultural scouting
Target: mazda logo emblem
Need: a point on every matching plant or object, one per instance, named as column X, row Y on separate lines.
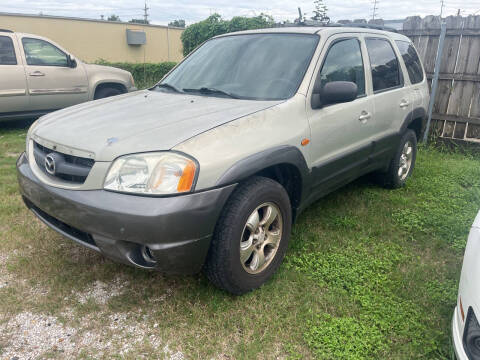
column 50, row 164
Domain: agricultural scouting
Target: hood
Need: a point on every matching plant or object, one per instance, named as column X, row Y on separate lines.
column 102, row 69
column 139, row 122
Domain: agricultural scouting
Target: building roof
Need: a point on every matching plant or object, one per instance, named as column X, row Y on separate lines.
column 84, row 19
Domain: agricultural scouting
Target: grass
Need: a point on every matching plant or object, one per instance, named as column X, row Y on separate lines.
column 370, row 273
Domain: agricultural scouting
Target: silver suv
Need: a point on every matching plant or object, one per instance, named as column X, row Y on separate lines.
column 38, row 76
column 210, row 168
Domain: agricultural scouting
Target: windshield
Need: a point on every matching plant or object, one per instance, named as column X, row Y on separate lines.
column 255, row 66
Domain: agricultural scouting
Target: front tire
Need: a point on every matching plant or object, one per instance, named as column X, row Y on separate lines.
column 403, row 162
column 251, row 236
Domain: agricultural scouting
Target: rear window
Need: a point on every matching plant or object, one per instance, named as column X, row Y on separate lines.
column 384, row 64
column 7, row 52
column 412, row 62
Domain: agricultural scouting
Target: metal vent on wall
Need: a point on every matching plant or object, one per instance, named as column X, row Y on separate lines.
column 136, row 37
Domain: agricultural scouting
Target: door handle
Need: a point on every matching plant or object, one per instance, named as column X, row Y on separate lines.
column 404, row 104
column 364, row 117
column 36, row 73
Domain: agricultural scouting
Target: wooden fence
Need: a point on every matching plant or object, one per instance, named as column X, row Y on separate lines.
column 456, row 112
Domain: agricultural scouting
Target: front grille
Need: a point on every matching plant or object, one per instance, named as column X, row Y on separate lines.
column 70, row 231
column 69, row 168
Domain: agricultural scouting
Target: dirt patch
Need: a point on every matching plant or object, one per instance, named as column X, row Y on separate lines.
column 31, row 335
column 100, row 292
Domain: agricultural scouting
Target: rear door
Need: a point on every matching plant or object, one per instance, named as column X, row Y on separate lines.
column 392, row 99
column 13, row 87
column 52, row 83
column 414, row 69
column 341, row 134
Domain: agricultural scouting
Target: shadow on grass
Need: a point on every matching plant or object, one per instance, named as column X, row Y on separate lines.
column 16, row 124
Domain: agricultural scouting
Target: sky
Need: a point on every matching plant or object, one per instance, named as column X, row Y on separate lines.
column 164, row 11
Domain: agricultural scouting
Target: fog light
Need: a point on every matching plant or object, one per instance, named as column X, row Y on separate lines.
column 471, row 336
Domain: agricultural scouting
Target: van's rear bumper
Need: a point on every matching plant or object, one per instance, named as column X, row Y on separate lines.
column 176, row 230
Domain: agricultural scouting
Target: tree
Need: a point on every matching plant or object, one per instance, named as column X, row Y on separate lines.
column 177, row 23
column 214, row 25
column 114, row 17
column 139, row 21
column 320, row 12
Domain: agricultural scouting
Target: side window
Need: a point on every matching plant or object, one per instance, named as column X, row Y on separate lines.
column 344, row 63
column 7, row 52
column 412, row 62
column 42, row 53
column 384, row 64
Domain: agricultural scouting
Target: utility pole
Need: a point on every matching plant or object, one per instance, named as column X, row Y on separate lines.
column 145, row 14
column 375, row 8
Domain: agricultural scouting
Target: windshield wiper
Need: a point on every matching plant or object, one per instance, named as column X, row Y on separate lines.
column 207, row 90
column 169, row 86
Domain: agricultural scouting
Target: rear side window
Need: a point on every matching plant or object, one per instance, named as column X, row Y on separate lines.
column 384, row 64
column 344, row 63
column 7, row 52
column 412, row 62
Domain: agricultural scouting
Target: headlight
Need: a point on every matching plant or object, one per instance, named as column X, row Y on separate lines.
column 152, row 173
column 29, row 133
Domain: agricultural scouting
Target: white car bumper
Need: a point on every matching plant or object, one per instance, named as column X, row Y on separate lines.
column 457, row 338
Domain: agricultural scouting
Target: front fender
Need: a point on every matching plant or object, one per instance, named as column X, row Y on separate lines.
column 255, row 163
column 98, row 74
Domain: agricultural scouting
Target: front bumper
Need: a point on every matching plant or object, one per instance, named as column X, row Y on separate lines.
column 170, row 234
column 457, row 337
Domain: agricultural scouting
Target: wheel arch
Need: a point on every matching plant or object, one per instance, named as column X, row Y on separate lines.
column 415, row 120
column 109, row 84
column 284, row 164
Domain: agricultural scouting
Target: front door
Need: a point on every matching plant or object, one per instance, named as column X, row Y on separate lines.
column 341, row 134
column 13, row 86
column 52, row 82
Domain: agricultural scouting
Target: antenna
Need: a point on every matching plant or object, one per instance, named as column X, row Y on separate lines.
column 375, row 8
column 145, row 14
column 300, row 16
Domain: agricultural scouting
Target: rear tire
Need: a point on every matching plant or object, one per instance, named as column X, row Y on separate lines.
column 251, row 236
column 403, row 162
column 107, row 92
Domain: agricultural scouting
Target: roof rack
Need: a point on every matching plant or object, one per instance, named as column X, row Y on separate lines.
column 5, row 30
column 367, row 26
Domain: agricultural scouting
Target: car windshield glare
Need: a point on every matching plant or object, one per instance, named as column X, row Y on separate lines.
column 253, row 66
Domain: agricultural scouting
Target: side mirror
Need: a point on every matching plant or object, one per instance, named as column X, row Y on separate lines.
column 71, row 63
column 334, row 92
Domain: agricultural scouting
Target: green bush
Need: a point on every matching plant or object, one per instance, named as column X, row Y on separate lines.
column 145, row 75
column 214, row 25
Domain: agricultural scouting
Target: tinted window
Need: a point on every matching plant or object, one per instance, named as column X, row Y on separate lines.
column 412, row 62
column 384, row 64
column 257, row 66
column 344, row 63
column 42, row 53
column 7, row 52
